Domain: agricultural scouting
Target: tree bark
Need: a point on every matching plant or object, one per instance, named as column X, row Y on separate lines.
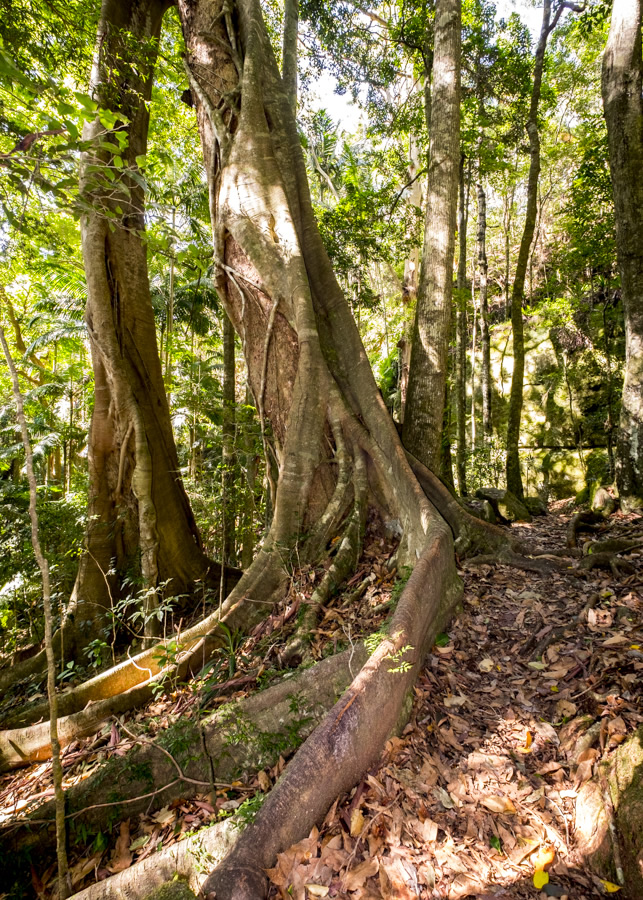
column 514, row 477
column 315, row 393
column 140, row 518
column 461, row 335
column 484, row 312
column 622, row 83
column 428, row 370
column 228, row 544
column 289, row 51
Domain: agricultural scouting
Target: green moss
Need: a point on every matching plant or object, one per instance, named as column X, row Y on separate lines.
column 182, row 740
column 173, row 890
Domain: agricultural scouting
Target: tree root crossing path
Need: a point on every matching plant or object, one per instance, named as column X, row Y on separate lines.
column 521, row 706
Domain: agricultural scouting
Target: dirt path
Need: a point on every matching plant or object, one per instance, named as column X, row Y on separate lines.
column 480, row 789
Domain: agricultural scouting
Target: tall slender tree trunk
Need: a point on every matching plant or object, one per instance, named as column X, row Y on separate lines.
column 428, row 371
column 484, row 311
column 228, row 433
column 461, row 334
column 514, row 477
column 507, row 215
column 622, row 84
column 64, row 881
column 289, row 51
column 474, row 354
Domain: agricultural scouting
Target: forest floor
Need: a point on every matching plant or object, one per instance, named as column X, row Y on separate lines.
column 477, row 795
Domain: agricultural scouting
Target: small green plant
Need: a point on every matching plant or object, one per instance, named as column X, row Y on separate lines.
column 97, row 653
column 232, row 642
column 373, row 641
column 402, row 665
column 247, row 811
column 400, row 583
column 70, row 671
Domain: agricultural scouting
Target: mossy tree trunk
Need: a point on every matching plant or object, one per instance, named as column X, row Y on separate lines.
column 622, row 84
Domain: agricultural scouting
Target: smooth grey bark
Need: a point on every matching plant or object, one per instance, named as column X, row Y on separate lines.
column 485, row 341
column 622, row 84
column 514, row 477
column 289, row 51
column 428, row 370
column 460, row 389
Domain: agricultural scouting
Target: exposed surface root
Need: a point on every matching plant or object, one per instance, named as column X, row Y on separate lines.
column 606, row 560
column 353, row 733
column 541, row 564
column 586, row 520
column 245, row 736
column 184, row 861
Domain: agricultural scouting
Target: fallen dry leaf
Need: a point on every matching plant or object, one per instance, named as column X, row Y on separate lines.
column 357, row 822
column 357, row 877
column 393, row 881
column 499, row 804
column 121, row 857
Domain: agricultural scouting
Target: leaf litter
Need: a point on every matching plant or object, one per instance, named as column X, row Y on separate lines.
column 536, row 682
column 476, row 798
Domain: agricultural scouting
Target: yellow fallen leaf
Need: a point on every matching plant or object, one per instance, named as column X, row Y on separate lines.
column 357, row 822
column 546, row 855
column 540, row 879
column 499, row 804
column 317, row 890
column 610, row 887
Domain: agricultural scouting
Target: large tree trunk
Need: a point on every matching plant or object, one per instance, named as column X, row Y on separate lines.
column 428, row 371
column 140, row 519
column 514, row 478
column 623, row 104
column 335, row 443
column 278, row 287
